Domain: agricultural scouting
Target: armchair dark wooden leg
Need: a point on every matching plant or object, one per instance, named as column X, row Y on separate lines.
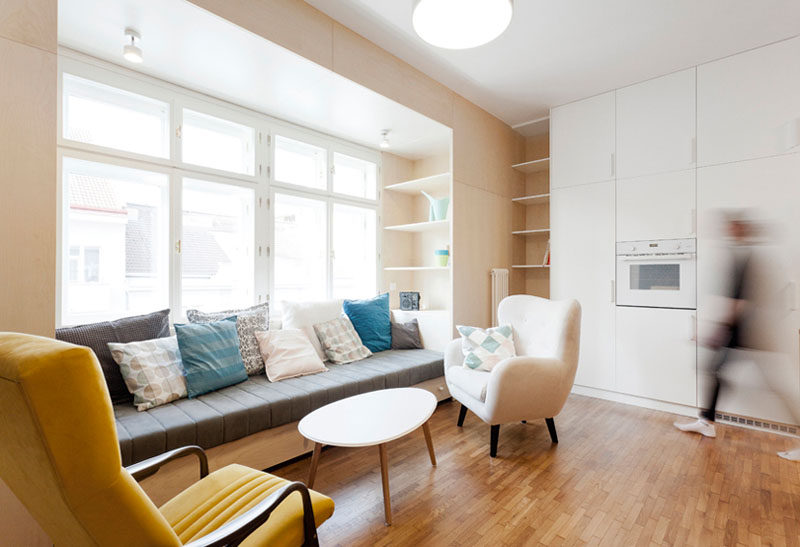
column 493, row 443
column 461, row 415
column 551, row 427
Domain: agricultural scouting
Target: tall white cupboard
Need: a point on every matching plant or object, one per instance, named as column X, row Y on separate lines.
column 662, row 159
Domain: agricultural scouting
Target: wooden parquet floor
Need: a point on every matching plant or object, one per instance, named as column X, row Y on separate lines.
column 621, row 475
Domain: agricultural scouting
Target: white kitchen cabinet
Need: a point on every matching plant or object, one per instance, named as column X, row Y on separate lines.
column 655, row 354
column 582, row 246
column 656, row 125
column 582, row 141
column 768, row 191
column 748, row 105
column 656, row 206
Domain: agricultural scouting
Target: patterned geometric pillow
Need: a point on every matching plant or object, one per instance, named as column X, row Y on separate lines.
column 483, row 349
column 248, row 321
column 152, row 370
column 340, row 341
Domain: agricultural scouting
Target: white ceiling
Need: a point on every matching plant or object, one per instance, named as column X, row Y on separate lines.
column 191, row 47
column 557, row 51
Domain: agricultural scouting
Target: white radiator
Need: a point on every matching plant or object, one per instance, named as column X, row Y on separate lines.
column 499, row 290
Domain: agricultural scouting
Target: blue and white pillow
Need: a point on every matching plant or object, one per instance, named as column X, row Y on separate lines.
column 210, row 355
column 484, row 348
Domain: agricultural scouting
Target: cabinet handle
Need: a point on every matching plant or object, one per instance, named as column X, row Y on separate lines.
column 693, row 328
column 613, row 291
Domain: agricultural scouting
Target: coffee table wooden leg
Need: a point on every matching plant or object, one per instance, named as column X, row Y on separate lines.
column 387, row 504
column 429, row 442
column 312, row 473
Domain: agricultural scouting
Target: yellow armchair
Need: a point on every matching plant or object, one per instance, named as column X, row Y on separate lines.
column 59, row 454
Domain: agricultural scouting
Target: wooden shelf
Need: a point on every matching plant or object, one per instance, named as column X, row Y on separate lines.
column 531, row 266
column 533, row 166
column 415, row 268
column 531, row 232
column 532, row 200
column 433, row 184
column 419, row 226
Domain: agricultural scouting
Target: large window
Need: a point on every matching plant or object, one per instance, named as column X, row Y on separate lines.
column 102, row 115
column 220, row 144
column 115, row 239
column 354, row 251
column 166, row 205
column 300, row 163
column 216, row 246
column 354, row 177
column 301, row 264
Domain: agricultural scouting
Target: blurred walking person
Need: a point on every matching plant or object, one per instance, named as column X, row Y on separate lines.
column 742, row 324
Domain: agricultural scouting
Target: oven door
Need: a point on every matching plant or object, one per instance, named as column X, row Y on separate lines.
column 657, row 281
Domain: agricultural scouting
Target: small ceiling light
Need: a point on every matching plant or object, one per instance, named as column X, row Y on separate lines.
column 461, row 24
column 385, row 141
column 131, row 51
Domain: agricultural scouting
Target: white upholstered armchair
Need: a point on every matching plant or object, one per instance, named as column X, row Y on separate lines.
column 533, row 385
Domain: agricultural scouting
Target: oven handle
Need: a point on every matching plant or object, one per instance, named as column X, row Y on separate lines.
column 650, row 258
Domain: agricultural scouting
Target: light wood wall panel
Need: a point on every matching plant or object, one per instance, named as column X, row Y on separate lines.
column 27, row 197
column 29, row 22
column 27, row 188
column 360, row 60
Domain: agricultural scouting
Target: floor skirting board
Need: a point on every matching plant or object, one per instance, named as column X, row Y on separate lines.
column 726, row 418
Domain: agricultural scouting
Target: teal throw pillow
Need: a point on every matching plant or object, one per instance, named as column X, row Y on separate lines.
column 210, row 355
column 372, row 321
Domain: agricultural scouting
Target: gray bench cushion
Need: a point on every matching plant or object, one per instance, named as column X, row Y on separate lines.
column 258, row 404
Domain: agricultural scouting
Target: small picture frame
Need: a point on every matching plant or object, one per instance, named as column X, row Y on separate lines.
column 409, row 300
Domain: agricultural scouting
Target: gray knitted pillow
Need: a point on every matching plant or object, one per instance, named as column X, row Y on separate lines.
column 248, row 321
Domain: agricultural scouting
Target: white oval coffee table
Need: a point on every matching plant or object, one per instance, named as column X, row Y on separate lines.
column 370, row 419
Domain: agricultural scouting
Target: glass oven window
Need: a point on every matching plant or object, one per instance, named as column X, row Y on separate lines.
column 655, row 277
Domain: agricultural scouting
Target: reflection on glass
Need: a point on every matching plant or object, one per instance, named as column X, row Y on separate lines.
column 114, row 241
column 300, row 163
column 217, row 246
column 217, row 143
column 354, row 252
column 106, row 116
column 300, row 241
column 656, row 277
column 354, row 177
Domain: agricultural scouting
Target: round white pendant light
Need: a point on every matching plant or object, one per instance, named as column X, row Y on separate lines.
column 461, row 24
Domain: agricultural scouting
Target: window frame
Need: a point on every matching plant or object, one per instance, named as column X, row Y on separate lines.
column 262, row 181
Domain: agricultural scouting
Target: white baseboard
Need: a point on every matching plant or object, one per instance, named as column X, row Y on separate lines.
column 643, row 402
column 673, row 408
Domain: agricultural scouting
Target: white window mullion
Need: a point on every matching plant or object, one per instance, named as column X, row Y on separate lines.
column 175, row 238
column 331, row 250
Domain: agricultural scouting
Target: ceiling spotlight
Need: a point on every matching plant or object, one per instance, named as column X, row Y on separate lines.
column 385, row 141
column 131, row 51
column 461, row 24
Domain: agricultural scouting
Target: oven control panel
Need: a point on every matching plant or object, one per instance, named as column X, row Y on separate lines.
column 657, row 247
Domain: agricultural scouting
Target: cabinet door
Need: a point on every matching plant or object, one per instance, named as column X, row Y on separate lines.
column 582, row 141
column 768, row 191
column 748, row 105
column 656, row 125
column 656, row 206
column 582, row 245
column 656, row 356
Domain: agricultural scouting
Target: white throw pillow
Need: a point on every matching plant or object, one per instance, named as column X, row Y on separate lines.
column 484, row 348
column 304, row 315
column 288, row 353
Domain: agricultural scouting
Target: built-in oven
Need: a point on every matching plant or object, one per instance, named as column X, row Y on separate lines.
column 657, row 273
